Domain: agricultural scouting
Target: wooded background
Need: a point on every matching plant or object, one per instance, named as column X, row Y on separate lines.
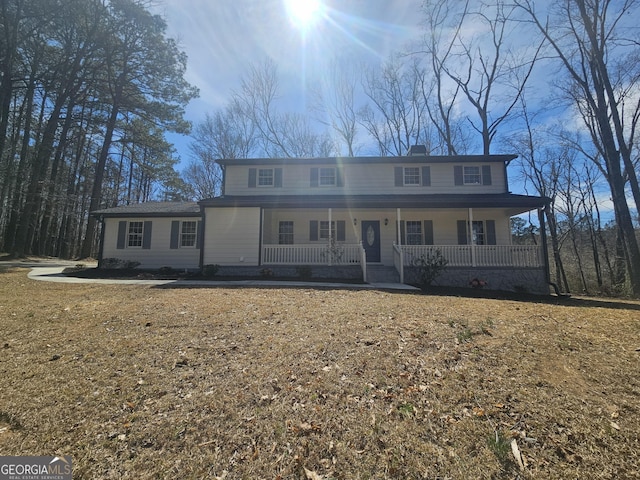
column 90, row 88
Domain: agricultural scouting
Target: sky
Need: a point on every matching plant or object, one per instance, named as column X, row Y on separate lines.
column 223, row 38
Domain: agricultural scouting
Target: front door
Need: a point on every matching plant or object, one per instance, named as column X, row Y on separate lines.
column 371, row 239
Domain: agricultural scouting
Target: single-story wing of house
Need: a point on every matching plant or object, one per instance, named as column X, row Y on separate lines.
column 372, row 217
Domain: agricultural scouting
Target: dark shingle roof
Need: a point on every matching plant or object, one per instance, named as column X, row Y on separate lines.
column 152, row 209
column 452, row 159
column 493, row 200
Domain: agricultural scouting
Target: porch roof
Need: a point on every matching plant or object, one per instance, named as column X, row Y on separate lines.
column 521, row 203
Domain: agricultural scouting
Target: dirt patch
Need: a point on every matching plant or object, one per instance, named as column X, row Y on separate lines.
column 143, row 382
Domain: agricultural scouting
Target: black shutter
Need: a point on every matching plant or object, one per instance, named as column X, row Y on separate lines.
column 428, row 232
column 340, row 230
column 252, row 177
column 277, row 177
column 339, row 177
column 402, row 233
column 458, row 178
column 314, row 177
column 462, row 232
column 146, row 235
column 486, row 174
column 313, row 230
column 426, row 176
column 491, row 232
column 122, row 234
column 399, row 175
column 175, row 234
column 199, row 234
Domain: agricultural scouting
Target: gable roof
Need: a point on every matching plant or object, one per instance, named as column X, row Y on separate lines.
column 152, row 209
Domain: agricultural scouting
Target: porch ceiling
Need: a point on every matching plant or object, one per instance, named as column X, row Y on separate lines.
column 518, row 203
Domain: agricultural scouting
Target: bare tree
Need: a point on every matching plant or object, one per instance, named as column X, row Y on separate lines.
column 396, row 117
column 596, row 43
column 483, row 69
column 335, row 104
column 281, row 134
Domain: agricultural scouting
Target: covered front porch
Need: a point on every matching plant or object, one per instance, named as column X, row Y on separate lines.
column 466, row 238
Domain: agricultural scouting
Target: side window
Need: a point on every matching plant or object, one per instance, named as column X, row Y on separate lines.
column 188, row 234
column 134, row 237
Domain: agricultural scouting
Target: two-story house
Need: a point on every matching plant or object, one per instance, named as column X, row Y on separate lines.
column 342, row 216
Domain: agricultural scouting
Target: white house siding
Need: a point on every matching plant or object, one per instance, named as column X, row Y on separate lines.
column 232, row 236
column 362, row 179
column 159, row 254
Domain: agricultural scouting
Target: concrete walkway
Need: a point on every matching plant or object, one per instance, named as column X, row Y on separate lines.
column 51, row 271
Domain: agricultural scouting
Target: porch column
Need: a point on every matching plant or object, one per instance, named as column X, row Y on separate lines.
column 398, row 226
column 473, row 243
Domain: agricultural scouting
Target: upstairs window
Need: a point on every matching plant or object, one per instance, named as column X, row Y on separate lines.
column 265, row 177
column 471, row 176
column 327, row 177
column 135, row 234
column 412, row 176
column 188, row 234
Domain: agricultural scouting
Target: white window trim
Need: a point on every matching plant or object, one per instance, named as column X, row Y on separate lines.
column 141, row 234
column 266, row 185
column 404, row 177
column 420, row 233
column 335, row 177
column 333, row 230
column 182, row 233
column 464, row 175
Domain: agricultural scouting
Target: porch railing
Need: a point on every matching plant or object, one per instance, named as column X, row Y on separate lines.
column 337, row 254
column 478, row 255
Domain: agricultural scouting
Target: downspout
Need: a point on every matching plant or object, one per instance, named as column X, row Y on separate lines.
column 202, row 237
column 101, row 247
column 261, row 236
column 545, row 250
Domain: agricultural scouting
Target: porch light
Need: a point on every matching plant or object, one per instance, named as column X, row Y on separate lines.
column 355, row 221
column 386, row 222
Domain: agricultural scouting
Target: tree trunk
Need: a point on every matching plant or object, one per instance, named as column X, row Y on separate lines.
column 96, row 191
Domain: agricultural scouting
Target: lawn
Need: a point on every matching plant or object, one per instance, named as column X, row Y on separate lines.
column 246, row 383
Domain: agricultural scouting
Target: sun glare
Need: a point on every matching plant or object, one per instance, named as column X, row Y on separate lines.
column 303, row 13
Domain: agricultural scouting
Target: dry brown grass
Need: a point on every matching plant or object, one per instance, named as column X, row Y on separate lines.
column 142, row 382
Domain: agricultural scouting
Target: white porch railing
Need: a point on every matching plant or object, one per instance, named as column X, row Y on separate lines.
column 478, row 255
column 338, row 254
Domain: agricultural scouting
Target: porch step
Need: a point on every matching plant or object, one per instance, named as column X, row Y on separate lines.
column 382, row 274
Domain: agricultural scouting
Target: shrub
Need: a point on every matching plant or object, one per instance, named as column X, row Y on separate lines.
column 430, row 266
column 117, row 263
column 210, row 270
column 165, row 270
column 266, row 272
